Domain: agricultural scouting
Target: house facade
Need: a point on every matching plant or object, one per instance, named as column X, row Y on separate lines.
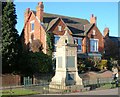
column 86, row 33
column 112, row 45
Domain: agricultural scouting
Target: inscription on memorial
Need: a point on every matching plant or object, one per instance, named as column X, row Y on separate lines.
column 70, row 61
column 70, row 52
column 59, row 62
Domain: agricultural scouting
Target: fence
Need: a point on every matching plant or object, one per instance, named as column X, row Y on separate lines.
column 43, row 87
column 41, row 84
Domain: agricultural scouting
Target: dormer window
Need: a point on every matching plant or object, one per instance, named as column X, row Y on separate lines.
column 32, row 26
column 59, row 28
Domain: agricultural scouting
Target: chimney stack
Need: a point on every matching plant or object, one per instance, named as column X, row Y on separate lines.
column 40, row 11
column 106, row 32
column 26, row 14
column 93, row 19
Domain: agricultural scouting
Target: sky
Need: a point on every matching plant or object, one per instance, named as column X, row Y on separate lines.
column 106, row 12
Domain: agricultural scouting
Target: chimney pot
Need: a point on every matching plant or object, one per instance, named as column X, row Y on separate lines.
column 106, row 32
column 28, row 9
column 39, row 3
column 92, row 15
column 40, row 11
column 93, row 19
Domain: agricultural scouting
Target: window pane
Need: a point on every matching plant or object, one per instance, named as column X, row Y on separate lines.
column 93, row 45
column 32, row 26
column 56, row 39
column 79, row 44
column 59, row 28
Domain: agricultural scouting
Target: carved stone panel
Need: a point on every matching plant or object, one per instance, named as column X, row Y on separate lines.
column 70, row 76
column 70, row 52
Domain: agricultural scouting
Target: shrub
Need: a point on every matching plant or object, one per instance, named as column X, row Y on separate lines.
column 102, row 64
column 37, row 62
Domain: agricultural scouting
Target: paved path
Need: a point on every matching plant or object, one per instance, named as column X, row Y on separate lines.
column 99, row 92
column 95, row 92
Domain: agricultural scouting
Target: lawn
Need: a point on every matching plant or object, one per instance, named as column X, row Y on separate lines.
column 17, row 92
column 109, row 85
column 25, row 91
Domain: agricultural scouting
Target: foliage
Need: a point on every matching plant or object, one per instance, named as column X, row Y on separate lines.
column 36, row 46
column 111, row 63
column 111, row 49
column 50, row 43
column 87, row 64
column 37, row 62
column 9, row 37
column 102, row 64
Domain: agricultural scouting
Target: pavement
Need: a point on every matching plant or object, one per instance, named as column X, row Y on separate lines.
column 106, row 92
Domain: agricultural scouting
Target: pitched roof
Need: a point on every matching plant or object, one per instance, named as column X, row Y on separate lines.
column 52, row 22
column 76, row 25
column 87, row 28
column 115, row 40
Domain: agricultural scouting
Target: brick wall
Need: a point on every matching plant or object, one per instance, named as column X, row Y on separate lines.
column 98, row 36
column 10, row 79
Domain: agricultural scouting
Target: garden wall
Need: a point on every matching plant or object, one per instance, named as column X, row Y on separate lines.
column 10, row 79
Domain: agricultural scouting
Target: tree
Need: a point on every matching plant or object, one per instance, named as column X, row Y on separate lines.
column 34, row 62
column 111, row 49
column 9, row 37
column 50, row 43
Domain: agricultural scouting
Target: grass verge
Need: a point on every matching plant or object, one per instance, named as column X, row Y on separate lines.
column 17, row 92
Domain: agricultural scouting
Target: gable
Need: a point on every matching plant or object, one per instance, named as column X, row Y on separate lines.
column 75, row 25
column 94, row 30
column 31, row 17
column 58, row 27
column 96, row 34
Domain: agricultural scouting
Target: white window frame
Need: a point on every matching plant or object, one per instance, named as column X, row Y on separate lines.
column 59, row 28
column 96, row 48
column 77, row 43
column 32, row 22
column 94, row 32
column 54, row 38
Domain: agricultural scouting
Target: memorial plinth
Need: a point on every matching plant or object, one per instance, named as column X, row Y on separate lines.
column 66, row 73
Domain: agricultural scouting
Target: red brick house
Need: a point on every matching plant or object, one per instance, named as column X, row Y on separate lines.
column 112, row 45
column 38, row 23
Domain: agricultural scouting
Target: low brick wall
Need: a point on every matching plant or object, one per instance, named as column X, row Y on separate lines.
column 10, row 79
column 94, row 75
